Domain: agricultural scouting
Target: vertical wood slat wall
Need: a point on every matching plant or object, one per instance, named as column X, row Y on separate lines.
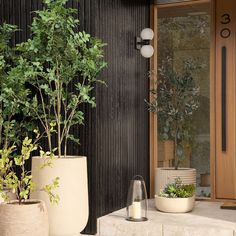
column 115, row 137
column 122, row 137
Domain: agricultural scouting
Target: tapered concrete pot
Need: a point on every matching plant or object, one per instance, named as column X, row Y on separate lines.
column 164, row 176
column 28, row 219
column 174, row 205
column 70, row 216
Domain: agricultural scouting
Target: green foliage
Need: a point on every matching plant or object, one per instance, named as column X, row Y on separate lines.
column 54, row 60
column 21, row 185
column 48, row 158
column 54, row 198
column 175, row 101
column 13, row 93
column 178, row 190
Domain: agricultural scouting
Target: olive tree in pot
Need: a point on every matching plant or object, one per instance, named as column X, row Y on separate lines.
column 175, row 101
column 62, row 65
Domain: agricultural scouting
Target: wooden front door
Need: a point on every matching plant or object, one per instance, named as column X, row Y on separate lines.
column 225, row 99
column 220, row 99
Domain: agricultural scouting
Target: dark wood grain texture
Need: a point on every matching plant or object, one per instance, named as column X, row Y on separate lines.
column 115, row 136
column 122, row 145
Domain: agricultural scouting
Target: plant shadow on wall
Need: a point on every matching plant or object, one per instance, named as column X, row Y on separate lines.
column 175, row 100
column 60, row 65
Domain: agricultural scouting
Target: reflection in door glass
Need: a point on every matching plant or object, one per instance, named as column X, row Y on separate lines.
column 185, row 38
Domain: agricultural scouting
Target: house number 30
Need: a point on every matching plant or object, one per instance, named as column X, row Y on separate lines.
column 225, row 20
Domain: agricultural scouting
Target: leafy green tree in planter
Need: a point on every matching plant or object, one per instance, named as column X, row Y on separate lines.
column 15, row 123
column 21, row 185
column 175, row 101
column 13, row 93
column 52, row 60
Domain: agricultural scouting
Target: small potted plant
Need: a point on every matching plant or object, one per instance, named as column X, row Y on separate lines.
column 62, row 64
column 22, row 216
column 176, row 198
column 175, row 101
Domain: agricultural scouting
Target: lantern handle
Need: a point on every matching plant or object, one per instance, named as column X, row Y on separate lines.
column 138, row 177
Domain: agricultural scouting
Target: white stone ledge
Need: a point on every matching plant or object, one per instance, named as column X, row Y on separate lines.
column 207, row 219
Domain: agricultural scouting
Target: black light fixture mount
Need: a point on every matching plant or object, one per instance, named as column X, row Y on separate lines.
column 139, row 42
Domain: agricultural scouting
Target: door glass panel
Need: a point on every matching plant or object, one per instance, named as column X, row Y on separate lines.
column 184, row 37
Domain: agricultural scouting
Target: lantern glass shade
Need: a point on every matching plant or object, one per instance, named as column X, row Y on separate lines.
column 137, row 200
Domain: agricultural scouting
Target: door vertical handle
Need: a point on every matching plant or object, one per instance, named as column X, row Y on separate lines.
column 223, row 97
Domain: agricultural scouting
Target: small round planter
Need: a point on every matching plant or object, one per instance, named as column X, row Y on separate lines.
column 174, row 205
column 165, row 176
column 70, row 216
column 28, row 219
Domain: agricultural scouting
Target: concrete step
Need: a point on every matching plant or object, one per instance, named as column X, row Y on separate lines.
column 207, row 219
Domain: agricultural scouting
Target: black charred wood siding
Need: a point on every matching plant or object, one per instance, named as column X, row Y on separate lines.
column 115, row 137
column 122, row 138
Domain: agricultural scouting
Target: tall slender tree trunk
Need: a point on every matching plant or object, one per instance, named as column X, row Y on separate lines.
column 59, row 123
column 175, row 147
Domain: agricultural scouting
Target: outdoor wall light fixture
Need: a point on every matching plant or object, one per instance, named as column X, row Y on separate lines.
column 143, row 43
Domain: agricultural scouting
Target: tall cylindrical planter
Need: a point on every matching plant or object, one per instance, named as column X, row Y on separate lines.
column 28, row 219
column 70, row 216
column 165, row 176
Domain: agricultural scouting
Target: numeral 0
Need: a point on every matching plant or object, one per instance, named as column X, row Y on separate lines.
column 225, row 33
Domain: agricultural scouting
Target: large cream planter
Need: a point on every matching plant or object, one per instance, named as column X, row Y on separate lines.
column 164, row 176
column 70, row 216
column 30, row 219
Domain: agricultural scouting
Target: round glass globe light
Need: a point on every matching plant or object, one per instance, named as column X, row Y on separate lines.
column 147, row 51
column 147, row 34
